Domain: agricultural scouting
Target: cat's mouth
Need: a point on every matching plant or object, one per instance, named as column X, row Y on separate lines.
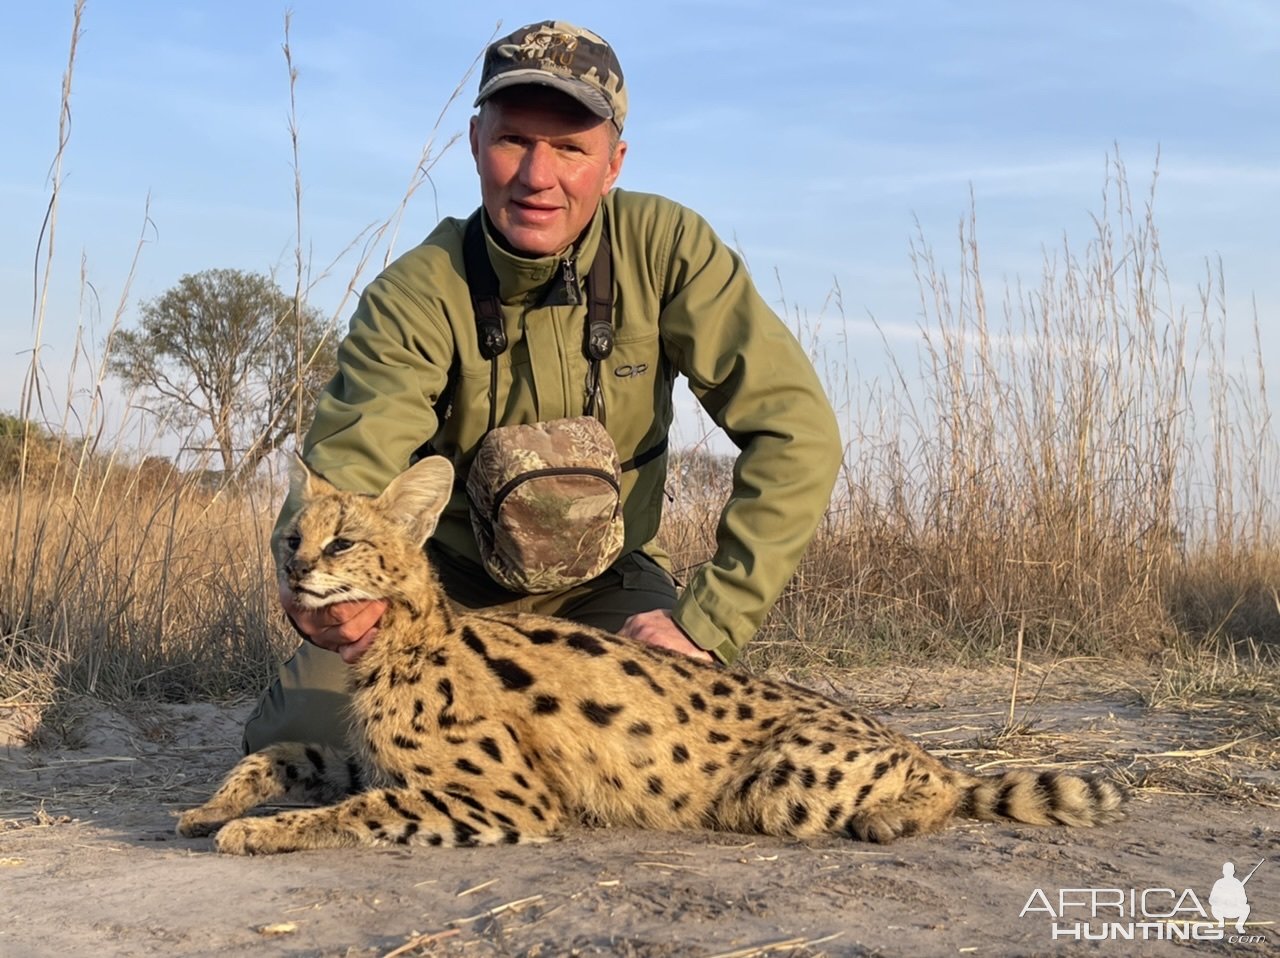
column 315, row 599
column 318, row 598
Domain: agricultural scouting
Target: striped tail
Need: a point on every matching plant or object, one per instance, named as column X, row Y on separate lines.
column 1042, row 798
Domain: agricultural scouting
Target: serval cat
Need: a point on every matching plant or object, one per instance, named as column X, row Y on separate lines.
column 478, row 729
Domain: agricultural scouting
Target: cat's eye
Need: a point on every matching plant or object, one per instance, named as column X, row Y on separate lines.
column 293, row 542
column 338, row 546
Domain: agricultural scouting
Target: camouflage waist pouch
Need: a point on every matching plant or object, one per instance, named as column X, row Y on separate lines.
column 546, row 503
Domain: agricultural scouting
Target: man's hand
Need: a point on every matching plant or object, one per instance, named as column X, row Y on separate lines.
column 658, row 628
column 347, row 628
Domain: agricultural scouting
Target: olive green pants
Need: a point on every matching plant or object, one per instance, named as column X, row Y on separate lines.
column 308, row 700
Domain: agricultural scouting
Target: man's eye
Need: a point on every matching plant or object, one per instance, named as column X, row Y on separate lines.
column 338, row 546
column 293, row 542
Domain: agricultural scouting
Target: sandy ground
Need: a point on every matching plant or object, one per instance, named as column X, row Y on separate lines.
column 89, row 863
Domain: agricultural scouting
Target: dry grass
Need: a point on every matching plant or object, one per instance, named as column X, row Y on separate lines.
column 1072, row 468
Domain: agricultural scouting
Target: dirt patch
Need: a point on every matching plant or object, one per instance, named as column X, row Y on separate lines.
column 89, row 863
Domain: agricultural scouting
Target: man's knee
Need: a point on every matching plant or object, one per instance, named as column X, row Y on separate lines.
column 307, row 702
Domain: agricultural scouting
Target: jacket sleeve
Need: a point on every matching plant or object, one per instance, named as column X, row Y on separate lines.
column 379, row 407
column 756, row 382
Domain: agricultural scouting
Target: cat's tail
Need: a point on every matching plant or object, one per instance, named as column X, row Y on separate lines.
column 1042, row 798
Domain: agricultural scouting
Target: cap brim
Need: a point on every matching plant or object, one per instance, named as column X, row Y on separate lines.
column 584, row 93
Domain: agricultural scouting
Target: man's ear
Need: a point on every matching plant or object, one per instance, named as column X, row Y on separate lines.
column 615, row 166
column 473, row 133
column 305, row 483
column 417, row 496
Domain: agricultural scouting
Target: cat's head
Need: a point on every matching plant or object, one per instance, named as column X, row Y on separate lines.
column 343, row 546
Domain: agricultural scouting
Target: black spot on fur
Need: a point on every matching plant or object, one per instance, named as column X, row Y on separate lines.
column 717, row 738
column 877, row 773
column 851, row 755
column 434, row 800
column 862, row 795
column 599, row 714
column 468, row 766
column 655, row 785
column 698, row 702
column 490, row 748
column 510, row 797
column 423, row 770
column 768, row 723
column 394, row 804
column 799, row 814
column 719, row 712
column 542, row 636
column 316, row 759
column 1004, row 800
column 834, row 778
column 681, row 715
column 720, row 688
column 826, row 748
column 710, row 768
column 679, row 754
column 769, row 695
column 640, row 729
column 585, row 642
column 681, row 671
column 636, row 670
column 808, row 777
column 745, row 711
column 464, row 835
column 833, row 813
column 747, row 784
column 510, row 673
column 782, row 773
column 546, row 704
column 400, row 741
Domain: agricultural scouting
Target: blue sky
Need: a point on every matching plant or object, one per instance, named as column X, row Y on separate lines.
column 813, row 135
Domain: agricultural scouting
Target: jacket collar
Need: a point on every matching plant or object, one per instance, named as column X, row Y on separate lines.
column 520, row 277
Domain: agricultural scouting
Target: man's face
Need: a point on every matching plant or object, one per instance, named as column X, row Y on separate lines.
column 543, row 165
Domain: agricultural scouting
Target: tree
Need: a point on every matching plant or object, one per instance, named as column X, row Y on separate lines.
column 228, row 351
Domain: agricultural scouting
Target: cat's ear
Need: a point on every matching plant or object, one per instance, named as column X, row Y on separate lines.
column 305, row 483
column 417, row 496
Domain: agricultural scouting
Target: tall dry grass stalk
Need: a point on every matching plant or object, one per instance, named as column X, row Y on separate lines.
column 1074, row 466
column 125, row 578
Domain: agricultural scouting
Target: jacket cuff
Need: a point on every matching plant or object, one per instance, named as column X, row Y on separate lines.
column 703, row 630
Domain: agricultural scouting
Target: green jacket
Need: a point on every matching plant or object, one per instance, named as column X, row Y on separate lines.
column 683, row 303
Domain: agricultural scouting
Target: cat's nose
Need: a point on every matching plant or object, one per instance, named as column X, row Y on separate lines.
column 296, row 568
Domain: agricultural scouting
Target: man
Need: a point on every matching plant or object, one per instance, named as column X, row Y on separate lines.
column 1228, row 898
column 548, row 150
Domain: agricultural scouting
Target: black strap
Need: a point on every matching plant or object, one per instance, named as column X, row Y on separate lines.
column 487, row 306
column 646, row 457
column 492, row 338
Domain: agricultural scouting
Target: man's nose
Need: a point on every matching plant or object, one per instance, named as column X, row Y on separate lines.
column 538, row 169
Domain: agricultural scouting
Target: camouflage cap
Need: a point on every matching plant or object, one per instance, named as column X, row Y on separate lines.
column 557, row 54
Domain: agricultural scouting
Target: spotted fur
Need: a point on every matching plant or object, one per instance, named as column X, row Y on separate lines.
column 478, row 729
